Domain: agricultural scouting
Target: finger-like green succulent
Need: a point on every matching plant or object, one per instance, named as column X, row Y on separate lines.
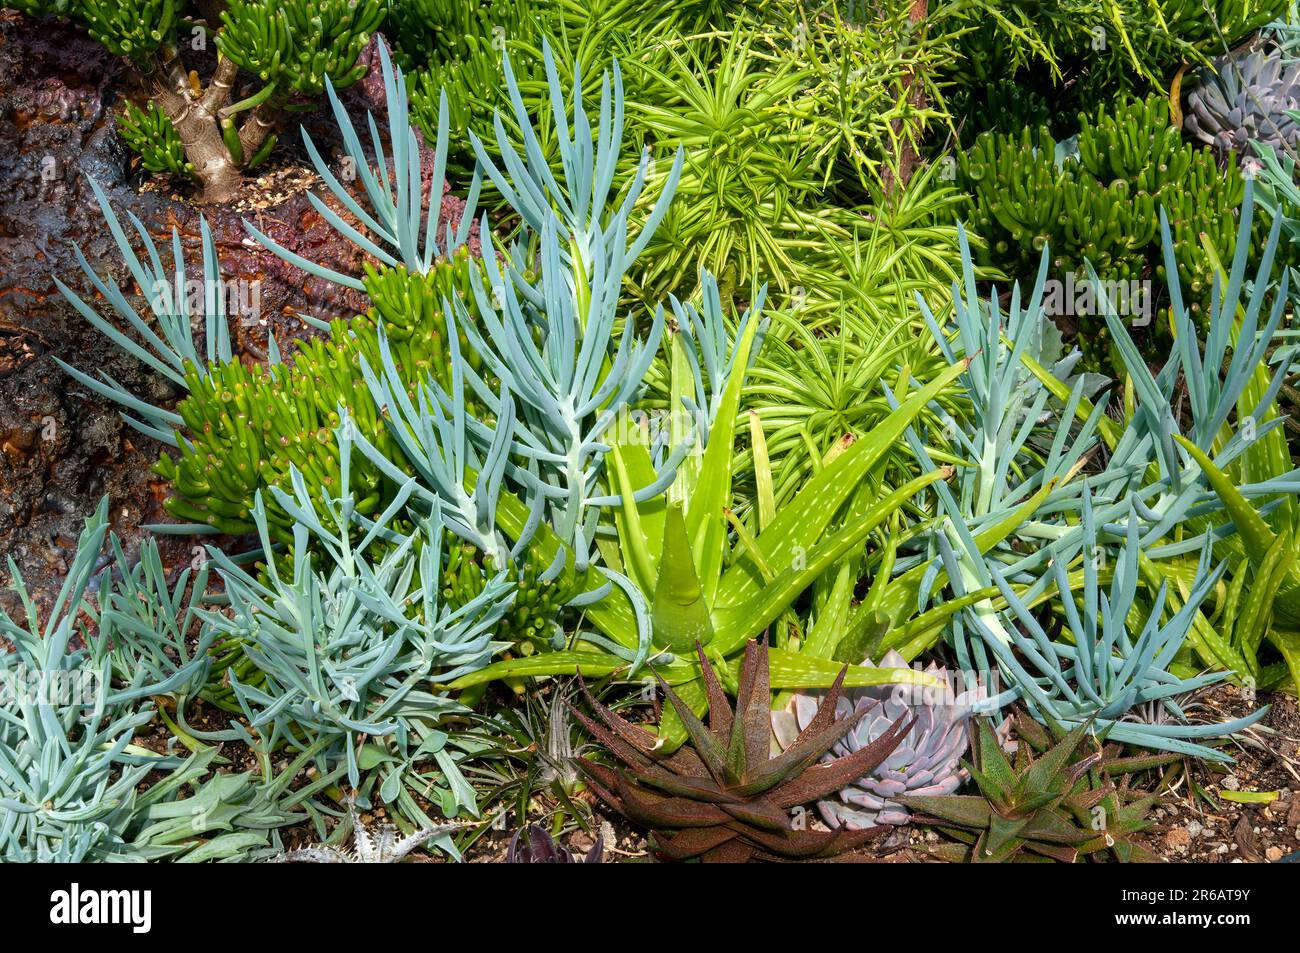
column 1097, row 199
column 152, row 135
column 134, row 28
column 293, row 45
column 725, row 797
column 245, row 426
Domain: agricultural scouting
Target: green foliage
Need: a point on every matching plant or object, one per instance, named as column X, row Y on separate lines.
column 867, row 87
column 586, row 37
column 351, row 637
column 427, row 33
column 1058, row 800
column 1218, row 29
column 132, row 28
column 248, row 426
column 73, row 696
column 294, row 45
column 42, row 8
column 1036, row 64
column 1099, row 202
column 739, row 209
column 813, row 393
column 150, row 134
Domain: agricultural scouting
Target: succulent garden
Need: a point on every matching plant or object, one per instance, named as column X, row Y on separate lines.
column 577, row 431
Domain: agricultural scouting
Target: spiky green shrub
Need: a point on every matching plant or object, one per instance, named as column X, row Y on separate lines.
column 586, row 37
column 740, row 208
column 867, row 90
column 812, row 393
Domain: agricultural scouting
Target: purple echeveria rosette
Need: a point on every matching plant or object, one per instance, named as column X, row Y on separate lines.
column 927, row 762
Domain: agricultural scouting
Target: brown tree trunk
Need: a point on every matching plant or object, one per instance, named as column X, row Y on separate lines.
column 908, row 157
column 197, row 124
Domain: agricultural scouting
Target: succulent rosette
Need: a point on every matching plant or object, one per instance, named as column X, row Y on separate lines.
column 1247, row 97
column 928, row 761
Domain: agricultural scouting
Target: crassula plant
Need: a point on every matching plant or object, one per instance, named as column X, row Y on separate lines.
column 273, row 56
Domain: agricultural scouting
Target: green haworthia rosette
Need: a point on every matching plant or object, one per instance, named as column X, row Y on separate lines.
column 1062, row 797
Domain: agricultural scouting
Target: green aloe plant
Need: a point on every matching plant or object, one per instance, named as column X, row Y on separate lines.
column 687, row 575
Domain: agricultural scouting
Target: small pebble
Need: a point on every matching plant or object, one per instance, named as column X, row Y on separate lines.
column 1231, row 783
column 1273, row 854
